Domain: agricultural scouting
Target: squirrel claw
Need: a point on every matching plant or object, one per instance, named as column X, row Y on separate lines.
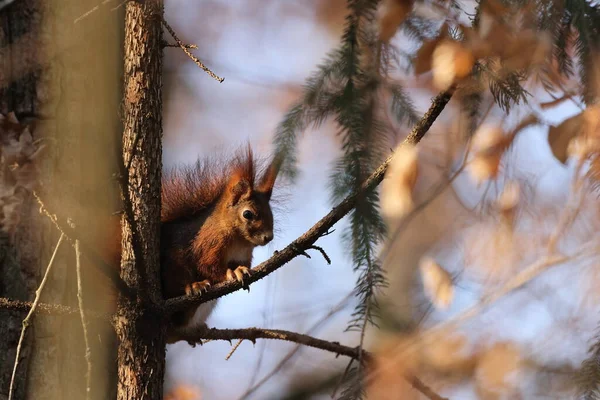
column 197, row 287
column 238, row 274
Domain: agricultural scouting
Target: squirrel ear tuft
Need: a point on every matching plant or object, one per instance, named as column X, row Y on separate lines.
column 267, row 181
column 241, row 181
column 237, row 188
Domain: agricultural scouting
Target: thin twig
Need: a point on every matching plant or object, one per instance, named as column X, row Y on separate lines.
column 323, row 253
column 189, row 54
column 84, row 324
column 92, row 10
column 308, row 239
column 187, row 46
column 233, row 349
column 26, row 321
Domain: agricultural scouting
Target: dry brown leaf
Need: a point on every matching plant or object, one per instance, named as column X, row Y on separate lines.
column 497, row 372
column 583, row 146
column 437, row 283
column 451, row 61
column 556, row 102
column 509, row 198
column 591, row 116
column 399, row 182
column 489, row 144
column 388, row 370
column 530, row 120
column 560, row 136
column 423, row 58
column 394, row 12
column 524, row 49
column 594, row 172
column 448, row 354
column 508, row 201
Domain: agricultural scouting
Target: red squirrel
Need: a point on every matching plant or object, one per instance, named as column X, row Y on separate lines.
column 213, row 215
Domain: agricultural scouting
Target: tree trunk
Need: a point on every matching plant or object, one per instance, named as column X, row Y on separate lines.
column 141, row 330
column 20, row 256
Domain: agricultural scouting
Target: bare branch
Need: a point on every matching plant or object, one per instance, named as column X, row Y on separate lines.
column 189, row 54
column 322, row 227
column 187, row 46
column 26, row 321
column 84, row 325
column 42, row 308
column 257, row 333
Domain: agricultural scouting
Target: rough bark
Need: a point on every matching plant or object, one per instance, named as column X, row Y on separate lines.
column 141, row 330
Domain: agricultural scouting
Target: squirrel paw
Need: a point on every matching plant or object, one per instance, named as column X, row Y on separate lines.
column 197, row 287
column 238, row 274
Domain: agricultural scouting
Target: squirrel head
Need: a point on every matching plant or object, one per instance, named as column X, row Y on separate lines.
column 247, row 201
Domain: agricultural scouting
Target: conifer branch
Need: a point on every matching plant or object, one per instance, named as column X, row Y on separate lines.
column 322, row 227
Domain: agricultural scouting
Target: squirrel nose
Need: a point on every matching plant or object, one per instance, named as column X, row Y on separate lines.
column 267, row 237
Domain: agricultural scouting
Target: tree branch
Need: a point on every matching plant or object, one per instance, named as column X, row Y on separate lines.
column 258, row 333
column 187, row 46
column 7, row 304
column 189, row 54
column 334, row 347
column 307, row 240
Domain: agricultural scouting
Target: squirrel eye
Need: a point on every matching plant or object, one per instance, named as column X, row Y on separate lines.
column 248, row 214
